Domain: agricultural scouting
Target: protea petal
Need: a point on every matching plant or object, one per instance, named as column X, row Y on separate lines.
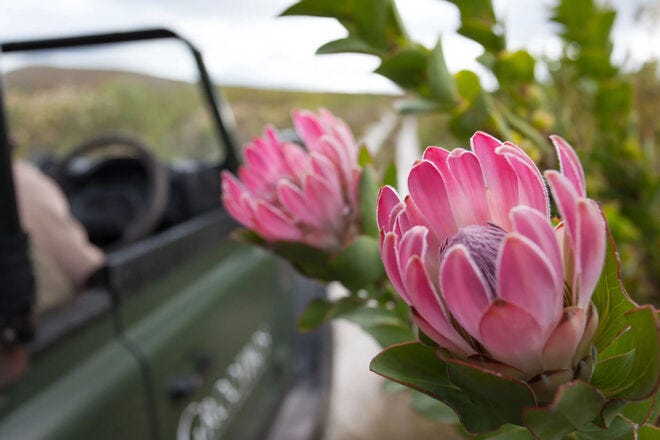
column 295, row 202
column 463, row 288
column 592, row 246
column 466, row 169
column 525, row 277
column 501, row 179
column 463, row 349
column 427, row 303
column 389, row 254
column 273, row 224
column 324, row 199
column 387, row 200
column 412, row 244
column 570, row 164
column 512, row 335
column 461, row 208
column 534, row 225
column 233, row 197
column 428, row 191
column 560, row 347
column 531, row 187
column 308, row 127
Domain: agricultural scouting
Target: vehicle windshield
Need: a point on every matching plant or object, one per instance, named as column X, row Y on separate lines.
column 58, row 99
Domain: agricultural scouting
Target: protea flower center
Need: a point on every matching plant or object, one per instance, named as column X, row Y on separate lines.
column 482, row 243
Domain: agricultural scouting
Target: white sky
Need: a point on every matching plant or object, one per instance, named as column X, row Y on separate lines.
column 245, row 44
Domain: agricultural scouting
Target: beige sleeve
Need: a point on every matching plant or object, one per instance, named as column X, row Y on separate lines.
column 45, row 216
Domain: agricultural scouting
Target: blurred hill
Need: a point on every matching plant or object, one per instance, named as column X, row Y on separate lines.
column 56, row 108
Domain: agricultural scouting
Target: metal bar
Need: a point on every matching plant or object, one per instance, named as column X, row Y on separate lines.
column 220, row 112
column 17, row 289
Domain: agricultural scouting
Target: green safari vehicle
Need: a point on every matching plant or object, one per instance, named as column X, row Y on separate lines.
column 183, row 332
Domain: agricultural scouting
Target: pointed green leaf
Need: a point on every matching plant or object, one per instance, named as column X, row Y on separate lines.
column 576, row 404
column 407, row 68
column 359, row 264
column 368, row 201
column 629, row 368
column 610, row 298
column 364, row 156
column 443, row 87
column 319, row 8
column 417, row 366
column 350, row 44
column 390, row 175
column 505, row 395
column 316, row 313
column 415, row 106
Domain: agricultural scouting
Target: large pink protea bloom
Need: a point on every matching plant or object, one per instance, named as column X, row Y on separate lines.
column 289, row 193
column 473, row 251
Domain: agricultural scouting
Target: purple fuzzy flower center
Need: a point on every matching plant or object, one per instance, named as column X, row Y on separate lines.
column 483, row 244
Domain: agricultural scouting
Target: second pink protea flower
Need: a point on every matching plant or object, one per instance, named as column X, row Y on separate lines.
column 473, row 251
column 285, row 192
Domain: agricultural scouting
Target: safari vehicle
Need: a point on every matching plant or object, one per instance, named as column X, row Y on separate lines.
column 184, row 332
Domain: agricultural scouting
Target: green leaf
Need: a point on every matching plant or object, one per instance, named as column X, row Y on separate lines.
column 320, row 310
column 364, row 156
column 468, row 84
column 611, row 299
column 648, row 432
column 368, row 201
column 515, row 67
column 505, row 395
column 319, row 8
column 359, row 264
column 478, row 23
column 507, row 432
column 471, row 116
column 629, row 368
column 385, row 325
column 315, row 314
column 431, row 409
column 248, row 236
column 407, row 68
column 416, row 366
column 415, row 106
column 443, row 87
column 576, row 404
column 350, row 44
column 390, row 175
column 307, row 260
column 643, row 411
column 620, row 429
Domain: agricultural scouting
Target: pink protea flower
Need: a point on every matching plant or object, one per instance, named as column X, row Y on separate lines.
column 473, row 251
column 288, row 193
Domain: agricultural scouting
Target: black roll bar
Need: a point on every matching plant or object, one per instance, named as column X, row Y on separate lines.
column 16, row 277
column 222, row 118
